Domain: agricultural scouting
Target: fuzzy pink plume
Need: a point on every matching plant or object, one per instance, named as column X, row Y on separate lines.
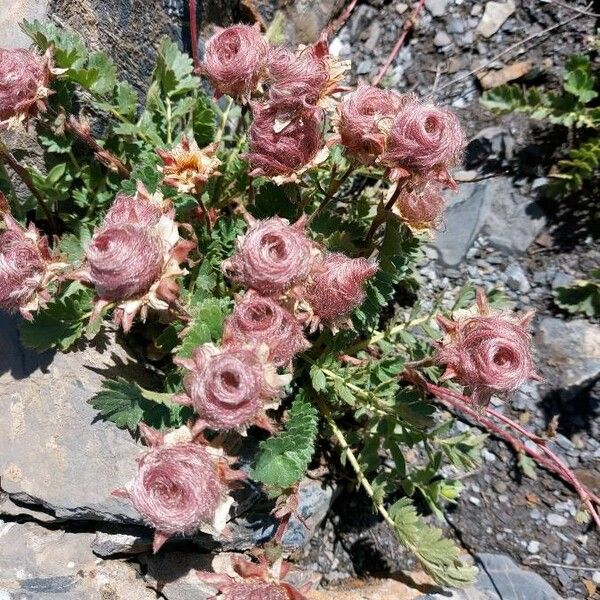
column 235, row 60
column 489, row 352
column 124, row 261
column 424, row 139
column 259, row 319
column 228, row 386
column 178, row 489
column 337, row 286
column 24, row 261
column 365, row 117
column 24, row 76
column 272, row 256
column 422, row 209
column 252, row 581
column 281, row 151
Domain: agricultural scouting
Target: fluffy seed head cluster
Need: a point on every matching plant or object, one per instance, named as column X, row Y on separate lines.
column 186, row 167
column 24, row 77
column 422, row 209
column 259, row 319
column 488, row 352
column 423, row 139
column 230, row 386
column 272, row 256
column 283, row 151
column 365, row 117
column 337, row 286
column 235, row 60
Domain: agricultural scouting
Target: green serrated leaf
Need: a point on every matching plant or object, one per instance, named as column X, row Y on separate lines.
column 174, row 69
column 283, row 460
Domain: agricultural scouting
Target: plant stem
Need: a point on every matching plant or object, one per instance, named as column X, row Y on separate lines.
column 194, row 34
column 224, row 119
column 550, row 461
column 334, row 186
column 381, row 215
column 8, row 158
column 169, row 124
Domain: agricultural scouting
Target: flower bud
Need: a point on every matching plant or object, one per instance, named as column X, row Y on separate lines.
column 365, row 119
column 24, row 77
column 235, row 60
column 187, row 168
column 272, row 256
column 258, row 319
column 282, row 146
column 488, row 352
column 424, row 139
column 422, row 209
column 124, row 261
column 228, row 387
column 336, row 286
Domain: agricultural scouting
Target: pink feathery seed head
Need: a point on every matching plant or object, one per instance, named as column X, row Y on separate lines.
column 124, row 261
column 228, row 387
column 186, row 167
column 177, row 489
column 143, row 209
column 422, row 209
column 23, row 263
column 424, row 138
column 337, row 286
column 24, row 77
column 488, row 352
column 257, row 318
column 235, row 60
column 283, row 151
column 365, row 117
column 272, row 256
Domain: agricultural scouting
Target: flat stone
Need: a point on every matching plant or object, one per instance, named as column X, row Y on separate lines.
column 494, row 16
column 107, row 544
column 569, row 353
column 40, row 564
column 556, row 520
column 15, row 11
column 442, row 39
column 437, row 8
column 516, row 279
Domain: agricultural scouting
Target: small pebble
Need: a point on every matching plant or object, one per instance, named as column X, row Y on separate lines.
column 474, row 500
column 596, row 577
column 533, row 547
column 570, row 558
column 556, row 520
column 441, row 39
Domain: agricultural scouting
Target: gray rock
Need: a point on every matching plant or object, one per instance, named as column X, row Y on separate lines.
column 516, row 279
column 442, row 39
column 116, row 543
column 436, row 8
column 456, row 25
column 569, row 353
column 561, row 280
column 556, row 520
column 494, row 16
column 40, row 564
column 533, row 547
column 13, row 12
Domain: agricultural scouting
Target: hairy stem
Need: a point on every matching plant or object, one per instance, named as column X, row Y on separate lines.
column 194, row 34
column 380, row 217
column 334, row 186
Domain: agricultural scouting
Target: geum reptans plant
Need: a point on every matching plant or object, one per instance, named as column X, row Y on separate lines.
column 260, row 258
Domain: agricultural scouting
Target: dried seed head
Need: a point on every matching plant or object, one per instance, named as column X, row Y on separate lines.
column 424, row 139
column 365, row 117
column 422, row 209
column 281, row 145
column 124, row 261
column 272, row 256
column 186, row 167
column 337, row 286
column 24, row 77
column 235, row 60
column 489, row 352
column 259, row 319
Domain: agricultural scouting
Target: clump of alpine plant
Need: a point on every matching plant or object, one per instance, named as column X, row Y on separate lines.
column 24, row 80
column 231, row 387
column 187, row 167
column 259, row 319
column 133, row 259
column 27, row 267
column 487, row 351
column 235, row 60
column 272, row 256
column 284, row 145
column 424, row 140
column 240, row 579
column 335, row 288
column 364, row 120
column 182, row 485
column 422, row 209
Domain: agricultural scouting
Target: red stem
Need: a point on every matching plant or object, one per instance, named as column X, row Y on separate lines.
column 550, row 461
column 339, row 22
column 194, row 34
column 408, row 25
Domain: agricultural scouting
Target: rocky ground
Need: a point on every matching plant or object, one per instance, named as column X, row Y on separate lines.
column 62, row 534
